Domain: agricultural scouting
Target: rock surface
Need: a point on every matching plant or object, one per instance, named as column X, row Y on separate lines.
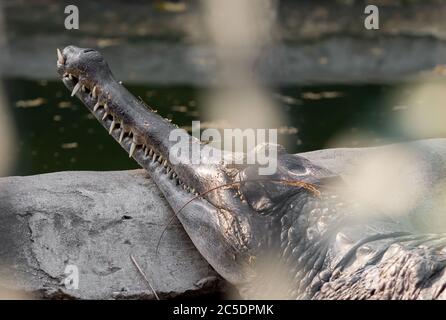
column 96, row 220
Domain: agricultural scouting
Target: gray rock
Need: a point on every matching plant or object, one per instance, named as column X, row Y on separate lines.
column 95, row 221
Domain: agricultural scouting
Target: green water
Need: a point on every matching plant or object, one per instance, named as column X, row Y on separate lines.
column 56, row 132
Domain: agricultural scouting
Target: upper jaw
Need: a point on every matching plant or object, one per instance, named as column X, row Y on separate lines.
column 141, row 132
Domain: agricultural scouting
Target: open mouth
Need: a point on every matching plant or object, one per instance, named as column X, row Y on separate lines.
column 100, row 100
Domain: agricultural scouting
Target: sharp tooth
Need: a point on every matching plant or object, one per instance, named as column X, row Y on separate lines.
column 60, row 57
column 105, row 106
column 132, row 149
column 146, row 151
column 94, row 93
column 192, row 190
column 121, row 136
column 70, row 76
column 83, row 88
column 76, row 89
column 154, row 157
column 150, row 152
column 104, row 116
column 96, row 107
column 165, row 163
column 112, row 126
column 174, row 175
column 168, row 170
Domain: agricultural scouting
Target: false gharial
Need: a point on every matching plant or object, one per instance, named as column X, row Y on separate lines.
column 293, row 234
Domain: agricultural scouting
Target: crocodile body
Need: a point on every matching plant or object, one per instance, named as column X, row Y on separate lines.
column 270, row 239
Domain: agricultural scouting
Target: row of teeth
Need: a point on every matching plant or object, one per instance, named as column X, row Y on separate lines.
column 116, row 124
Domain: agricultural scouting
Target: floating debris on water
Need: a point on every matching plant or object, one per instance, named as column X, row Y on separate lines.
column 170, row 6
column 69, row 145
column 287, row 130
column 32, row 103
column 108, row 42
column 288, row 99
column 179, row 108
column 322, row 95
column 64, row 104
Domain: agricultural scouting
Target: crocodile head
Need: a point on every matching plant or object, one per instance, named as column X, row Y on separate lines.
column 230, row 226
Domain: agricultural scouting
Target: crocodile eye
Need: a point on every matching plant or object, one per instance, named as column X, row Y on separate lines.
column 88, row 50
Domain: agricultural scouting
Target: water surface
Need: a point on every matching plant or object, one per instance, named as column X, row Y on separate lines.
column 56, row 132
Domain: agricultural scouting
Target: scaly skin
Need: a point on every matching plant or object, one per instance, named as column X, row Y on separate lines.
column 270, row 239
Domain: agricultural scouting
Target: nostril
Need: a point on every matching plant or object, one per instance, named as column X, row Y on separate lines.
column 88, row 50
